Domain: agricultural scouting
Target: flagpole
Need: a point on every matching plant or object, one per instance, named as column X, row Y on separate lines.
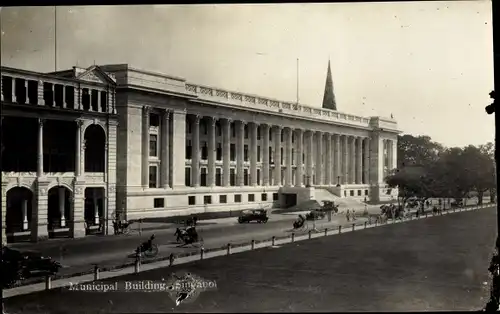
column 55, row 38
column 297, row 81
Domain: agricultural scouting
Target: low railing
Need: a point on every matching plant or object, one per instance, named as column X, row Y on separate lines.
column 268, row 104
column 96, row 272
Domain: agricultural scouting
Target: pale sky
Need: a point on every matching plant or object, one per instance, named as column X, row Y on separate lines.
column 430, row 64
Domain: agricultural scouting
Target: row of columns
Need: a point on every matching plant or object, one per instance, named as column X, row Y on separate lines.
column 77, row 95
column 348, row 167
column 80, row 149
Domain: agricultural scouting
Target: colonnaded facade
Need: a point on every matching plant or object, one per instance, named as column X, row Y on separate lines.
column 90, row 145
column 58, row 153
column 185, row 148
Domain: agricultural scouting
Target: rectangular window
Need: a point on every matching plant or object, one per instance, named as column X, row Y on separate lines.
column 222, row 199
column 232, row 177
column 204, row 151
column 204, row 127
column 219, row 151
column 245, row 177
column 359, row 192
column 270, row 135
column 233, row 130
column 275, row 197
column 192, row 200
column 203, row 177
column 218, row 129
column 188, row 127
column 258, row 133
column 251, row 197
column 263, row 197
column 282, row 156
column 282, row 136
column 159, row 203
column 258, row 153
column 218, row 176
column 351, row 192
column 366, row 192
column 154, row 119
column 245, row 131
column 153, row 145
column 237, row 198
column 245, row 152
column 258, row 176
column 188, row 149
column 187, row 176
column 207, row 199
column 153, row 176
column 232, row 152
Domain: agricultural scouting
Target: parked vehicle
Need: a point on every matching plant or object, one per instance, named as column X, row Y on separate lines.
column 18, row 265
column 259, row 215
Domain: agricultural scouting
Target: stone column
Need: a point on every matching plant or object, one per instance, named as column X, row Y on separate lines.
column 64, row 103
column 61, row 194
column 394, row 154
column 165, row 150
column 177, row 152
column 337, row 156
column 39, row 214
column 96, row 207
column 344, row 178
column 253, row 154
column 319, row 158
column 1, row 99
column 352, row 160
column 288, row 156
column 195, row 158
column 265, row 154
column 40, row 148
column 226, row 146
column 145, row 146
column 78, row 149
column 4, row 210
column 359, row 160
column 329, row 161
column 299, row 173
column 309, row 157
column 211, row 151
column 26, row 96
column 14, row 98
column 366, row 168
column 389, row 155
column 24, row 209
column 240, row 143
column 77, row 217
column 277, row 155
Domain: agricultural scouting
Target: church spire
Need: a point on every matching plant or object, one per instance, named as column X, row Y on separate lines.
column 329, row 96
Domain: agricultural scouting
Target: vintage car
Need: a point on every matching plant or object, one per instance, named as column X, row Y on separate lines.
column 18, row 265
column 249, row 215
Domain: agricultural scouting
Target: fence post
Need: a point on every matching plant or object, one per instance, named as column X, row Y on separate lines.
column 326, row 232
column 426, row 215
column 229, row 249
column 353, row 226
column 274, row 240
column 365, row 224
column 48, row 283
column 340, row 229
column 253, row 244
column 137, row 264
column 171, row 259
column 293, row 236
column 96, row 272
column 202, row 253
column 310, row 234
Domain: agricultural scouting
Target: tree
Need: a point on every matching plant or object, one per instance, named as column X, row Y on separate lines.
column 417, row 151
column 480, row 169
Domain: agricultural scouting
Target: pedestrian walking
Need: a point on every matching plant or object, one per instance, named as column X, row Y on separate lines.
column 348, row 215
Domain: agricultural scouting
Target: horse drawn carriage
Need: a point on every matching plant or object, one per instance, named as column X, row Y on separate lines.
column 187, row 236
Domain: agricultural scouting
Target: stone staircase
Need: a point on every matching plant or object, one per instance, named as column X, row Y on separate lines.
column 344, row 203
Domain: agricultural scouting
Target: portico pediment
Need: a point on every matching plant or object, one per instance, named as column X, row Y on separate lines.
column 96, row 75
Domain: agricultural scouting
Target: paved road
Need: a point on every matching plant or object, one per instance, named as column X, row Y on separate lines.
column 430, row 264
column 80, row 256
